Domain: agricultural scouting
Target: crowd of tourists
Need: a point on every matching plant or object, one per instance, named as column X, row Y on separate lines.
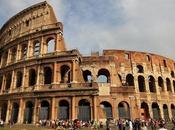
column 121, row 124
column 71, row 124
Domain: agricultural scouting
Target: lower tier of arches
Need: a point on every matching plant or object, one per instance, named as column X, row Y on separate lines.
column 83, row 108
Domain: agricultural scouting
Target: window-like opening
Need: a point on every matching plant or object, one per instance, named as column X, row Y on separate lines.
column 103, row 76
column 168, row 84
column 156, row 111
column 32, row 77
column 0, row 59
column 165, row 112
column 123, row 109
column 44, row 111
column 173, row 110
column 27, row 23
column 10, row 32
column 129, row 80
column 84, row 112
column 36, row 48
column 141, row 83
column 161, row 83
column 63, row 110
column 172, row 74
column 1, row 80
column 4, row 60
column 24, row 51
column 140, row 69
column 19, row 79
column 50, row 45
column 28, row 113
column 148, row 58
column 47, row 75
column 106, row 110
column 15, row 112
column 174, row 85
column 164, row 63
column 13, row 55
column 8, row 81
column 152, row 86
column 65, row 74
column 4, row 111
column 87, row 76
column 126, row 56
column 145, row 111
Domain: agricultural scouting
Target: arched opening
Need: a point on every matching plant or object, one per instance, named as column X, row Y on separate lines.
column 145, row 111
column 152, row 86
column 173, row 110
column 87, row 76
column 15, row 111
column 103, row 76
column 141, row 83
column 63, row 110
column 123, row 109
column 161, row 84
column 50, row 45
column 24, row 51
column 140, row 69
column 44, row 111
column 36, row 48
column 129, row 80
column 4, row 111
column 106, row 110
column 172, row 74
column 174, row 85
column 13, row 55
column 84, row 111
column 28, row 112
column 65, row 74
column 4, row 58
column 1, row 79
column 47, row 75
column 32, row 77
column 156, row 111
column 19, row 77
column 8, row 81
column 168, row 84
column 165, row 112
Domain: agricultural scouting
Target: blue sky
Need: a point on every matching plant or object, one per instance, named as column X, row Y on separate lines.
column 94, row 25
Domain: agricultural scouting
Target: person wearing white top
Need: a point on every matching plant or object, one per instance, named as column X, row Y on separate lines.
column 162, row 127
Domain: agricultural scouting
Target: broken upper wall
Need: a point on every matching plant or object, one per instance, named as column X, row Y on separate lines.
column 152, row 62
column 30, row 20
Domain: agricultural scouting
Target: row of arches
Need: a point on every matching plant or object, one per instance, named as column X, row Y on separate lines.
column 84, row 111
column 34, row 50
column 32, row 77
column 104, row 76
column 156, row 111
column 152, row 85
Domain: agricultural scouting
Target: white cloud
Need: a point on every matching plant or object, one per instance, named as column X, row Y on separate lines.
column 143, row 25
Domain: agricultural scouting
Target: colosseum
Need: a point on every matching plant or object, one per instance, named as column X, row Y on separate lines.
column 40, row 79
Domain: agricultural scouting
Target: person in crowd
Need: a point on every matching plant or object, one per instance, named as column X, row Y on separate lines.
column 130, row 125
column 162, row 126
column 143, row 126
column 120, row 124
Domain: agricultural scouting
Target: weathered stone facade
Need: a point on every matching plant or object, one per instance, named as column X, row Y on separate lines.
column 41, row 79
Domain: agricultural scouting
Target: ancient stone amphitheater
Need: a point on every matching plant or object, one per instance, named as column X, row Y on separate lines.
column 41, row 79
